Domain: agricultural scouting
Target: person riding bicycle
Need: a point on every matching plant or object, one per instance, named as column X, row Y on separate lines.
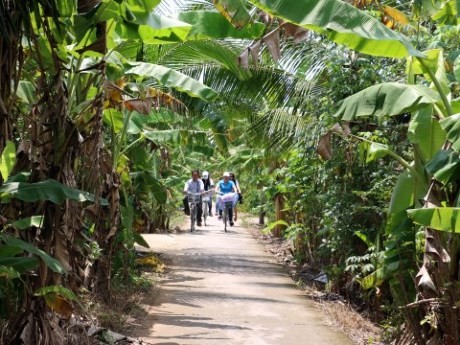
column 194, row 185
column 238, row 197
column 225, row 186
column 208, row 185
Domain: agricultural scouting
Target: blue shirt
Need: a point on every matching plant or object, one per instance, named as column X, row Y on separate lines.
column 226, row 187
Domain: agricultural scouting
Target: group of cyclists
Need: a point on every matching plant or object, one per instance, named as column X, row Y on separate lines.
column 202, row 183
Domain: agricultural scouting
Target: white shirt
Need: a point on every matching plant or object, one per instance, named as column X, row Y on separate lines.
column 194, row 186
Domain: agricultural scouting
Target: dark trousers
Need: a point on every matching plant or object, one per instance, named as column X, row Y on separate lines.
column 230, row 213
column 199, row 209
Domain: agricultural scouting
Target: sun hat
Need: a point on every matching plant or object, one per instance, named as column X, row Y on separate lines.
column 205, row 174
column 226, row 174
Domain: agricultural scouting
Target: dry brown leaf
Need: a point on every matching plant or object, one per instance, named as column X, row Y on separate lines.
column 143, row 106
column 272, row 40
column 397, row 16
column 59, row 304
column 297, row 32
column 243, row 58
column 341, row 128
column 424, row 281
column 324, row 146
column 254, row 49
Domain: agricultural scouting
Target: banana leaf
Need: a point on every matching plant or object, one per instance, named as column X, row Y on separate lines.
column 452, row 127
column 51, row 262
column 207, row 24
column 387, row 99
column 50, row 189
column 439, row 218
column 7, row 160
column 343, row 24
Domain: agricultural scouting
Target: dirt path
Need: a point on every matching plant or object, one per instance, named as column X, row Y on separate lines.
column 223, row 288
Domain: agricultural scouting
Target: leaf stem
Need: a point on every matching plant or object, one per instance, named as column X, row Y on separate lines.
column 438, row 86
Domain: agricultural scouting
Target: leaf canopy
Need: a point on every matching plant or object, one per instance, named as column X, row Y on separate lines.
column 343, row 24
column 386, row 99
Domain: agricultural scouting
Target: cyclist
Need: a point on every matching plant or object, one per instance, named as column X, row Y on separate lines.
column 225, row 186
column 194, row 185
column 208, row 185
column 238, row 197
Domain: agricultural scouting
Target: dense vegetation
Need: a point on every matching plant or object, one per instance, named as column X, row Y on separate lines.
column 339, row 118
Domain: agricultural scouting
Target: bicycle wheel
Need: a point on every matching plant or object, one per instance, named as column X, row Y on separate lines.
column 225, row 218
column 192, row 216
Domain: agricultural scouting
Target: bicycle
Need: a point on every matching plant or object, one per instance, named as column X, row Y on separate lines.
column 206, row 198
column 193, row 199
column 227, row 202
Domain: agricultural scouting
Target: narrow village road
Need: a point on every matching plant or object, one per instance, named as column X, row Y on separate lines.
column 223, row 288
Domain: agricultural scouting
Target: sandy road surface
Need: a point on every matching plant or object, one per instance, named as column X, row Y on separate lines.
column 223, row 288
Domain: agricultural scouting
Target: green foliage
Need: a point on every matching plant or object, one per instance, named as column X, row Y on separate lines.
column 343, row 24
column 7, row 160
column 439, row 218
column 51, row 190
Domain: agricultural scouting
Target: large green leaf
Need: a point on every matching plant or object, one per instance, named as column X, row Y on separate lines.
column 25, row 223
column 9, row 251
column 142, row 5
column 140, row 240
column 387, row 99
column 174, row 79
column 425, row 133
column 207, row 24
column 457, row 68
column 51, row 262
column 51, row 190
column 164, row 136
column 343, row 24
column 435, row 62
column 372, row 151
column 114, row 118
column 446, row 13
column 7, row 160
column 439, row 218
column 234, row 11
column 372, row 280
column 154, row 185
column 445, row 166
column 66, row 8
column 20, row 264
column 8, row 273
column 25, row 91
column 452, row 127
column 56, row 289
column 408, row 189
column 152, row 28
column 127, row 217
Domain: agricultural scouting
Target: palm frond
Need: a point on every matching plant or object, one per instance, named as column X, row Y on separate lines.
column 203, row 52
column 172, row 7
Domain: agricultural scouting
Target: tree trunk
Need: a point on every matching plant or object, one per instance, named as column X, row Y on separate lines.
column 262, row 201
column 279, row 215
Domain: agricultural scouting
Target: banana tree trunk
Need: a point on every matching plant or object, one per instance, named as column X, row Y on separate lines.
column 280, row 214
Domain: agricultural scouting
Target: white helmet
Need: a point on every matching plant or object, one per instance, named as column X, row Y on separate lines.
column 205, row 174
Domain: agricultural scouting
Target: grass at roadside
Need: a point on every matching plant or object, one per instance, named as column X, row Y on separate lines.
column 125, row 305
